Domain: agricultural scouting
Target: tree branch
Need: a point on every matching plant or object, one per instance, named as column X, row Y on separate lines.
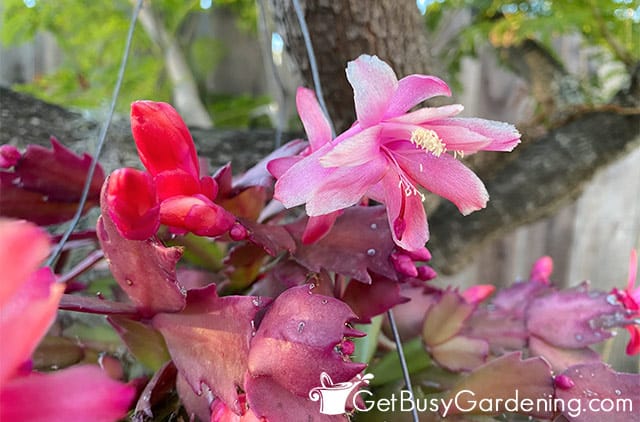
column 540, row 177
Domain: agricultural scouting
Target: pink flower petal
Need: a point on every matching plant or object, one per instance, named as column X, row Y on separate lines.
column 176, row 182
column 504, row 137
column 195, row 214
column 24, row 246
column 131, row 202
column 445, row 176
column 296, row 186
column 478, row 293
column 25, row 318
column 318, row 227
column 428, row 113
column 407, row 218
column 345, row 186
column 82, row 393
column 279, row 166
column 634, row 342
column 633, row 272
column 354, row 151
column 313, row 119
column 457, row 138
column 414, row 89
column 374, row 84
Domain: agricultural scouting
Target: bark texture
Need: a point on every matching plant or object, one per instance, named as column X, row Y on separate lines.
column 341, row 31
column 26, row 120
column 543, row 175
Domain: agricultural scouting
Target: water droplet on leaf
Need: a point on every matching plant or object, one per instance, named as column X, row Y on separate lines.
column 300, row 326
column 371, row 252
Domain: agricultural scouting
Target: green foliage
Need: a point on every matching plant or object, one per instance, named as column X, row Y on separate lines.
column 245, row 10
column 610, row 24
column 92, row 36
column 239, row 111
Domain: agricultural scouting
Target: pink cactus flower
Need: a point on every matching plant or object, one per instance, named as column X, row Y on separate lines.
column 388, row 154
column 630, row 299
column 172, row 192
column 29, row 300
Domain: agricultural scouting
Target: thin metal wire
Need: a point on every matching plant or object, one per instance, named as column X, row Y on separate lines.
column 282, row 105
column 101, row 140
column 403, row 364
column 318, row 87
column 312, row 62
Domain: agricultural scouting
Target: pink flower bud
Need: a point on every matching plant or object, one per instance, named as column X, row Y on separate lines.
column 9, row 156
column 426, row 273
column 563, row 382
column 162, row 138
column 403, row 264
column 542, row 269
column 238, row 232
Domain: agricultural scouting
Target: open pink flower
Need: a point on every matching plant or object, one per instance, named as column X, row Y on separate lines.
column 388, row 154
column 28, row 304
column 172, row 192
column 630, row 299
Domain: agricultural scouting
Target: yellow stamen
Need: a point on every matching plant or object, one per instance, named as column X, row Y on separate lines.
column 428, row 140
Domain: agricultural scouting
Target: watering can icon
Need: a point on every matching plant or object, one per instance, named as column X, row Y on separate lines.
column 333, row 397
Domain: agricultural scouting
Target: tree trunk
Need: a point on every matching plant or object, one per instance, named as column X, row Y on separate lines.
column 341, row 31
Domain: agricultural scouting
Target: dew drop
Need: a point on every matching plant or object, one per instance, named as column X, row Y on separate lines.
column 129, row 282
column 45, row 198
column 325, row 301
column 257, row 301
column 618, row 392
column 579, row 337
column 300, row 326
column 373, row 226
column 312, row 286
column 371, row 252
column 612, row 300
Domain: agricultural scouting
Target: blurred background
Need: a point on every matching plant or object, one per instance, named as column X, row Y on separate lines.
column 548, row 67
